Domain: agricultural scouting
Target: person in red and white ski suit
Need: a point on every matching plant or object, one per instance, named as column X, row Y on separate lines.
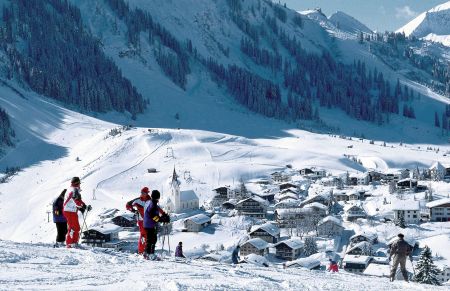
column 72, row 204
column 137, row 206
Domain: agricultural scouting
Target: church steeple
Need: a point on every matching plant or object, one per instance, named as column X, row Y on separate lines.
column 175, row 187
column 174, row 176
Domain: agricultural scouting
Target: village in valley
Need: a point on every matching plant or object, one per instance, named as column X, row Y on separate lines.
column 300, row 218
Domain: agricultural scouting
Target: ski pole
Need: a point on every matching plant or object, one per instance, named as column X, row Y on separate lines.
column 84, row 222
column 168, row 238
column 163, row 241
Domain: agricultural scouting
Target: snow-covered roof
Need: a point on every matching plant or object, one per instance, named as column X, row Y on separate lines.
column 288, row 202
column 360, row 245
column 127, row 215
column 438, row 166
column 188, row 195
column 405, row 204
column 267, row 227
column 256, row 260
column 220, row 256
column 199, row 218
column 290, row 190
column 106, row 228
column 308, row 263
column 347, row 207
column 255, row 198
column 293, row 243
column 379, row 270
column 258, row 243
column 316, row 205
column 357, row 259
column 287, row 211
column 437, row 203
column 286, row 196
column 369, row 236
column 331, row 219
column 108, row 213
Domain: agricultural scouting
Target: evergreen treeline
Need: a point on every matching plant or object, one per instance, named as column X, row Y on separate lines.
column 261, row 56
column 50, row 50
column 137, row 21
column 397, row 45
column 6, row 131
column 333, row 84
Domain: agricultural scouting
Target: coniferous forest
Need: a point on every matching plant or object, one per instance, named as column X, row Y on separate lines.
column 50, row 50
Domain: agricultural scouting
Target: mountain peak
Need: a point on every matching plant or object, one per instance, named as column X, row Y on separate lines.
column 433, row 25
column 348, row 23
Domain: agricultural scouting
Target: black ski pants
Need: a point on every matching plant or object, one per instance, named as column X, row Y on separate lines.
column 152, row 237
column 61, row 231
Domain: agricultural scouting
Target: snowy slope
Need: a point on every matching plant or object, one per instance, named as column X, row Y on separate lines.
column 40, row 267
column 433, row 25
column 116, row 167
column 348, row 23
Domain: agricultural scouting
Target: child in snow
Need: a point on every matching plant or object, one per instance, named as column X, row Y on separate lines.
column 179, row 251
column 72, row 204
column 152, row 215
column 137, row 206
column 59, row 219
column 333, row 267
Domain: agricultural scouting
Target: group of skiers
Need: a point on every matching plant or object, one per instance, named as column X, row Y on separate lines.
column 146, row 208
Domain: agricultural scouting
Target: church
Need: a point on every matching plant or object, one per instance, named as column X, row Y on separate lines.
column 180, row 201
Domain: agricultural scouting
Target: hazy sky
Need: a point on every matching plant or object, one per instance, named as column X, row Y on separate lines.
column 376, row 14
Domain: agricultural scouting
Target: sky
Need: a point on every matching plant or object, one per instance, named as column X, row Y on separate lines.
column 378, row 15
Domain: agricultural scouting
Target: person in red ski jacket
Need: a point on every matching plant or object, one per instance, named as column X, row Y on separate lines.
column 72, row 204
column 137, row 206
column 333, row 267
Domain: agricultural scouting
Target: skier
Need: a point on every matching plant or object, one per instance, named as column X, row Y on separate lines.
column 72, row 204
column 333, row 267
column 400, row 249
column 179, row 251
column 59, row 219
column 137, row 206
column 153, row 214
column 235, row 255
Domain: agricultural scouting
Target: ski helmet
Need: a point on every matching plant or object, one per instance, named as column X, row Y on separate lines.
column 145, row 190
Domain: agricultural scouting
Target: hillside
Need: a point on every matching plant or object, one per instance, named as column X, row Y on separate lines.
column 432, row 25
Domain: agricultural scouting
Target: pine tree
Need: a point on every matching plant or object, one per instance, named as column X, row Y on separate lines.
column 426, row 271
column 310, row 246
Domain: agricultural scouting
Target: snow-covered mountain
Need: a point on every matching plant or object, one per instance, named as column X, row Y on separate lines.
column 189, row 116
column 337, row 22
column 433, row 25
column 348, row 23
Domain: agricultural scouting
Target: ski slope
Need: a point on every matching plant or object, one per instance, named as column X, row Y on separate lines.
column 41, row 267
